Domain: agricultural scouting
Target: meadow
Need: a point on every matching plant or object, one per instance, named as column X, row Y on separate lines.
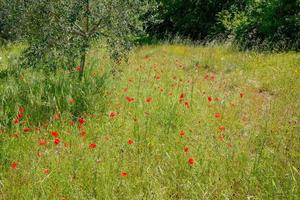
column 175, row 121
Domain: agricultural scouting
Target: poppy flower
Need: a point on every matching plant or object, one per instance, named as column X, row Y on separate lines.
column 218, row 115
column 221, row 138
column 72, row 123
column 39, row 154
column 14, row 165
column 130, row 141
column 78, row 68
column 241, row 95
column 46, row 171
column 209, row 98
column 16, row 121
column 54, row 134
column 186, row 149
column 129, row 99
column 148, row 99
column 21, row 109
column 16, row 135
column 42, row 142
column 157, row 77
column 71, row 101
column 113, row 114
column 191, row 161
column 64, row 198
column 37, row 129
column 56, row 141
column 181, row 133
column 222, row 128
column 186, row 104
column 124, row 174
column 181, row 97
column 82, row 133
column 92, row 146
column 20, row 116
column 81, row 121
column 26, row 130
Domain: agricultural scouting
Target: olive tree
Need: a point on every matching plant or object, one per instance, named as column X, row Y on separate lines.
column 59, row 31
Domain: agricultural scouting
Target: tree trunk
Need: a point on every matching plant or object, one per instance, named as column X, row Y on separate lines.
column 82, row 63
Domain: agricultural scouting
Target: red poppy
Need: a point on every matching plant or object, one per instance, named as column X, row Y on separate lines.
column 181, row 97
column 191, row 161
column 42, row 142
column 14, row 165
column 78, row 68
column 92, row 146
column 82, row 133
column 64, row 198
column 129, row 99
column 26, row 130
column 222, row 128
column 186, row 104
column 54, row 134
column 21, row 109
column 71, row 101
column 56, row 141
column 39, row 154
column 185, row 149
column 81, row 121
column 56, row 116
column 221, row 138
column 209, row 98
column 16, row 135
column 130, row 141
column 113, row 114
column 241, row 95
column 181, row 133
column 20, row 116
column 157, row 77
column 37, row 129
column 218, row 115
column 16, row 121
column 148, row 99
column 124, row 174
column 46, row 171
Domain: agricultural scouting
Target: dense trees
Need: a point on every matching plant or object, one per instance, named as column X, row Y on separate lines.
column 264, row 24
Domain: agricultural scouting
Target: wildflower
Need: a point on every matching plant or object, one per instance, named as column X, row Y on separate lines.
column 181, row 97
column 125, row 89
column 181, row 133
column 129, row 99
column 16, row 121
column 37, row 129
column 39, row 154
column 222, row 128
column 209, row 98
column 221, row 138
column 157, row 77
column 241, row 95
column 113, row 114
column 185, row 149
column 56, row 116
column 64, row 198
column 124, row 174
column 218, row 115
column 82, row 133
column 148, row 99
column 92, row 146
column 130, row 141
column 26, row 130
column 14, row 165
column 186, row 104
column 191, row 161
column 71, row 101
column 21, row 109
column 20, row 116
column 54, row 134
column 56, row 141
column 42, row 142
column 16, row 135
column 72, row 123
column 81, row 121
column 78, row 68
column 46, row 171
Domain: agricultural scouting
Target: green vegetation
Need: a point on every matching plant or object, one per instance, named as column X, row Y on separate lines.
column 151, row 131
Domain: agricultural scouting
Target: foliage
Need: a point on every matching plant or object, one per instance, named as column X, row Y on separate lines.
column 264, row 24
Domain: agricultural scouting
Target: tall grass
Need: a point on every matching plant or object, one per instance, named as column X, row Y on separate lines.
column 156, row 131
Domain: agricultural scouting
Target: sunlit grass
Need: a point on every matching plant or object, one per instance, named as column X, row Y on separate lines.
column 156, row 116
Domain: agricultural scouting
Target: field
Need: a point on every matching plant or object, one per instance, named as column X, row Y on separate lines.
column 174, row 122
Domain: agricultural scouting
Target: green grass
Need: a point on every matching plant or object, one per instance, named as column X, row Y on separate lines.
column 257, row 156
